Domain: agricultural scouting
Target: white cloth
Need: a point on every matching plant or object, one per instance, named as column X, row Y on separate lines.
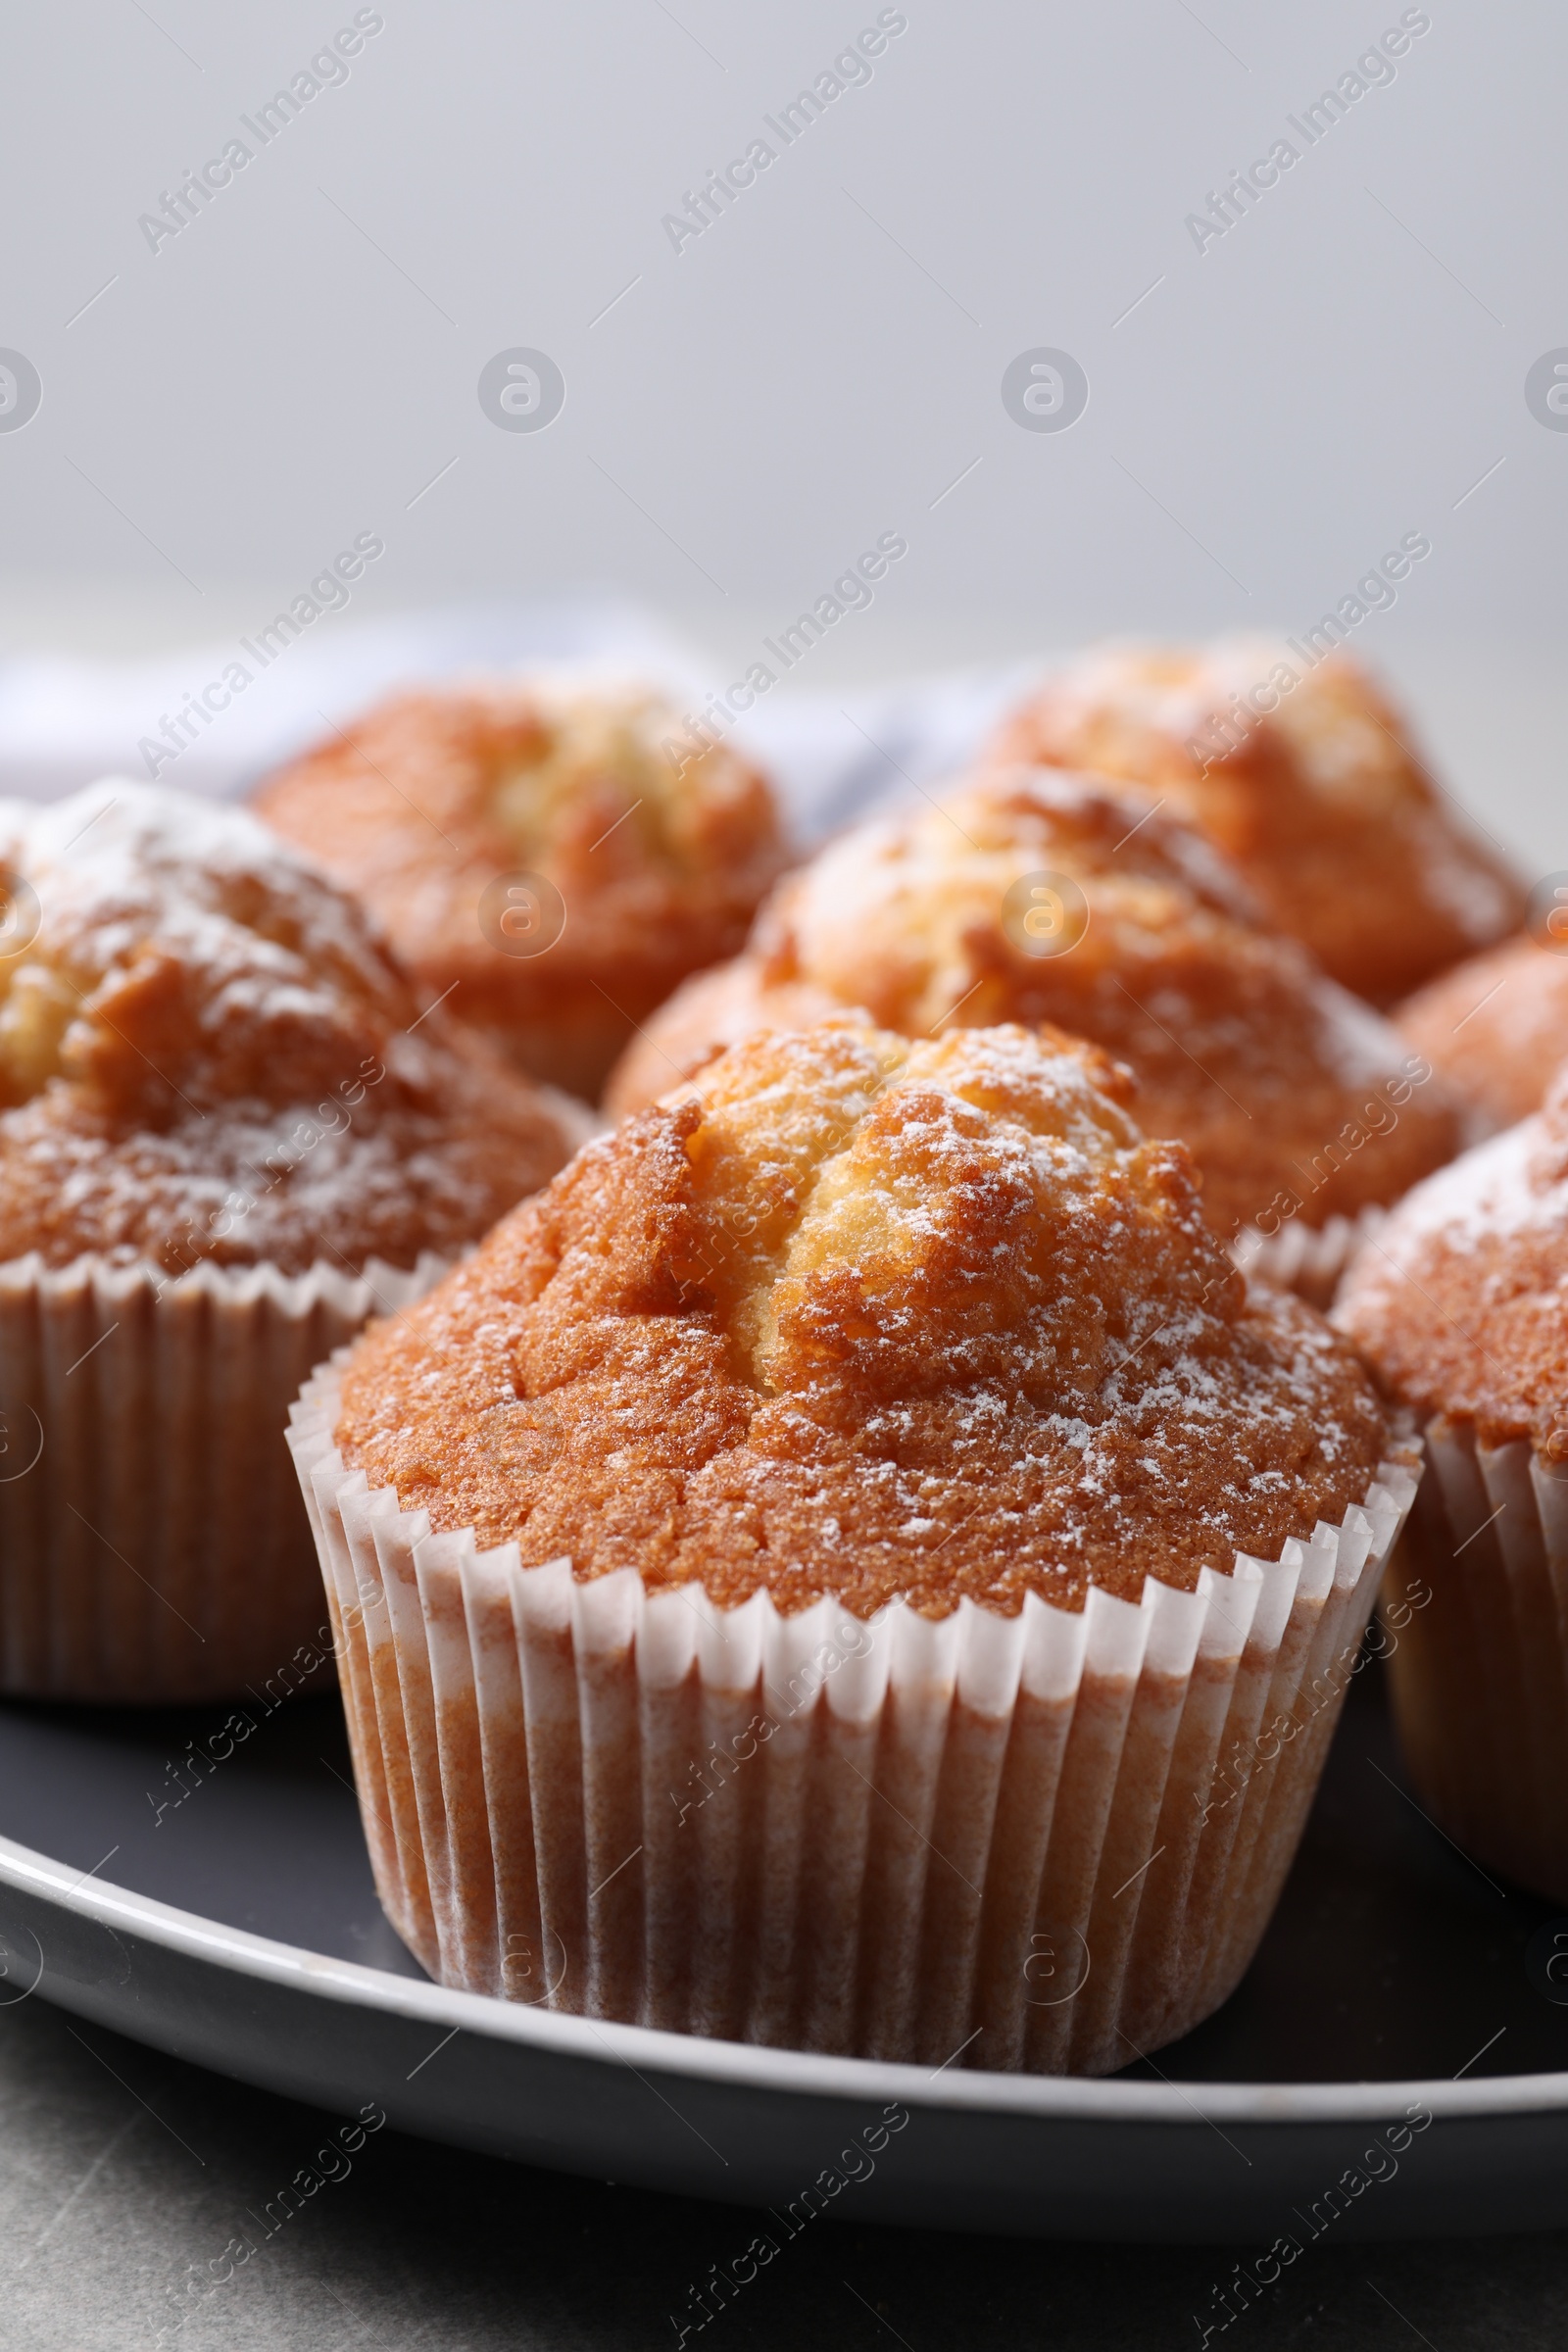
column 64, row 722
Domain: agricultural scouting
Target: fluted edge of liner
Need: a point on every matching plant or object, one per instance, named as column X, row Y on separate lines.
column 1477, row 1635
column 1310, row 1259
column 1048, row 1842
column 152, row 1544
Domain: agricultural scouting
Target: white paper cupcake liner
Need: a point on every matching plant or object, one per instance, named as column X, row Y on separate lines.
column 1480, row 1665
column 152, row 1543
column 1308, row 1259
column 1049, row 1840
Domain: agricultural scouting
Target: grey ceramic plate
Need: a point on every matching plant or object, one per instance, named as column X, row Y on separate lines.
column 237, row 1927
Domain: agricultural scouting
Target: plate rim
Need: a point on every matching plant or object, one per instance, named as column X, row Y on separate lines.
column 751, row 2066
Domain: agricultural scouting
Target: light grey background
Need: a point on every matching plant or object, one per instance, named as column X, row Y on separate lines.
column 818, row 366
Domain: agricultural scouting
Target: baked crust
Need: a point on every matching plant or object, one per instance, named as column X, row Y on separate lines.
column 1322, row 803
column 1296, row 1097
column 875, row 1319
column 711, row 1010
column 207, row 1052
column 421, row 804
column 1496, row 1028
column 1458, row 1307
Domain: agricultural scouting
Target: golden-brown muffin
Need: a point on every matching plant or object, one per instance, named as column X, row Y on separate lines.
column 1295, row 1098
column 874, row 1317
column 721, row 1007
column 206, row 1053
column 231, row 1124
column 549, row 853
column 1496, row 1028
column 1305, row 778
column 1458, row 1310
column 823, row 1507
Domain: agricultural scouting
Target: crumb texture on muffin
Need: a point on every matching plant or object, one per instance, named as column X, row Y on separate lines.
column 1459, row 1308
column 871, row 1318
column 1305, row 776
column 1496, row 1027
column 1294, row 1095
column 659, row 858
column 207, row 1052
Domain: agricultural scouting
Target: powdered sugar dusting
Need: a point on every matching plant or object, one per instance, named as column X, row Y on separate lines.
column 121, row 864
column 874, row 1318
column 1459, row 1302
column 1495, row 1189
column 207, row 1050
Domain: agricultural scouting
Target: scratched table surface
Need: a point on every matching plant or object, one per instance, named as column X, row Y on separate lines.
column 141, row 2200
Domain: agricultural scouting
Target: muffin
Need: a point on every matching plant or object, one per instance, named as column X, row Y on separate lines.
column 1458, row 1310
column 796, row 1581
column 1496, row 1028
column 1299, row 769
column 551, row 855
column 1034, row 895
column 227, row 1129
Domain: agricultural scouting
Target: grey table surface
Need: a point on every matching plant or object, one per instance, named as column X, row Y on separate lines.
column 120, row 2169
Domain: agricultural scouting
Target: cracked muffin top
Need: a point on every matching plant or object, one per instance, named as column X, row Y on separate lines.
column 446, row 810
column 875, row 1319
column 207, row 1052
column 1033, row 895
column 1305, row 776
column 1458, row 1307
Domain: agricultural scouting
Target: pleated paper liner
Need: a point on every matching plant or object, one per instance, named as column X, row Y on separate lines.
column 1049, row 1841
column 152, row 1542
column 1308, row 1259
column 1479, row 1663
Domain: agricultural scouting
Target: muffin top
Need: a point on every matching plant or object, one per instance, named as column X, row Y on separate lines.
column 1307, row 778
column 432, row 800
column 207, row 1052
column 875, row 1319
column 1458, row 1304
column 1496, row 1028
column 1279, row 1080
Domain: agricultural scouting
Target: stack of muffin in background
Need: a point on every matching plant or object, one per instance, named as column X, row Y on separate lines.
column 867, row 1554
